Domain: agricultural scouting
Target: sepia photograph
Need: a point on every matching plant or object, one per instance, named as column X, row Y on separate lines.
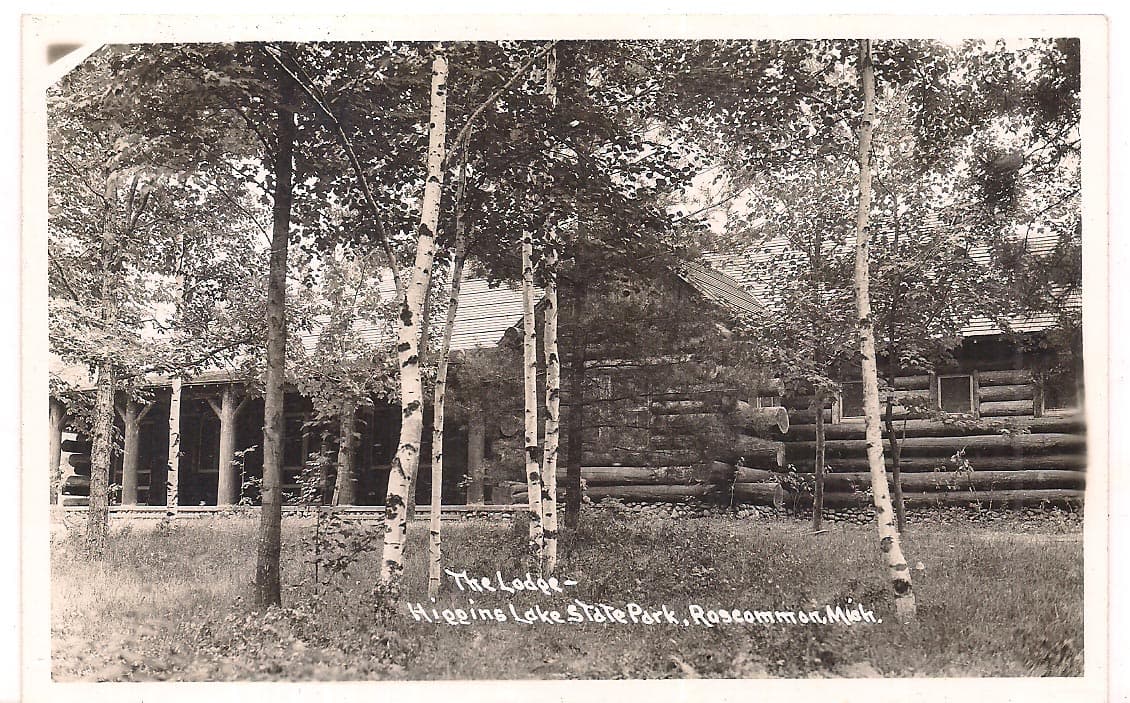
column 544, row 351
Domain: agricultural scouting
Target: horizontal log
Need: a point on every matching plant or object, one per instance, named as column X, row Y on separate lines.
column 915, row 383
column 723, row 473
column 685, row 421
column 1009, row 408
column 643, row 493
column 991, row 463
column 696, row 406
column 938, row 428
column 806, row 416
column 650, row 493
column 955, row 480
column 78, row 446
column 643, row 475
column 1009, row 392
column 674, row 440
column 976, row 445
column 995, row 499
column 751, row 451
column 1007, row 377
column 77, row 485
column 759, row 422
column 642, row 457
column 757, row 493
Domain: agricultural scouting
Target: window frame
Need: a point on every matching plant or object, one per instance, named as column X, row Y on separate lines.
column 1077, row 398
column 838, row 413
column 974, row 405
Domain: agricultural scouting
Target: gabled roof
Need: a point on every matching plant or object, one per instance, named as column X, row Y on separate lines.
column 722, row 289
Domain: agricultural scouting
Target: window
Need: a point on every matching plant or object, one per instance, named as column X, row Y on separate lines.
column 295, row 442
column 955, row 393
column 1061, row 390
column 851, row 400
column 767, row 401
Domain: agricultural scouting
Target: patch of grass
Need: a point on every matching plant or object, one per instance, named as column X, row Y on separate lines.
column 170, row 603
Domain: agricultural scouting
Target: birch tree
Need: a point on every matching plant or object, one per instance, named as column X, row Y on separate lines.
column 552, row 363
column 411, row 389
column 459, row 257
column 532, row 453
column 897, row 568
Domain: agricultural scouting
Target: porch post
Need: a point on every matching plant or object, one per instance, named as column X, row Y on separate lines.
column 227, row 488
column 58, row 417
column 132, row 416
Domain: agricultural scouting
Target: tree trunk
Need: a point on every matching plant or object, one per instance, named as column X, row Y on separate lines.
column 530, row 376
column 227, row 482
column 131, row 421
column 575, row 419
column 552, row 414
column 896, row 467
column 172, row 473
column 98, row 503
column 425, row 318
column 552, row 365
column 267, row 587
column 345, row 492
column 888, row 532
column 411, row 389
column 98, row 514
column 435, row 549
column 892, row 374
column 57, row 414
column 818, row 502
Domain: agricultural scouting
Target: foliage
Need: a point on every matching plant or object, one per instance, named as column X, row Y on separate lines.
column 348, row 359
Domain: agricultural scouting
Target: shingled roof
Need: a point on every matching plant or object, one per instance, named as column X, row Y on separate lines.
column 722, row 289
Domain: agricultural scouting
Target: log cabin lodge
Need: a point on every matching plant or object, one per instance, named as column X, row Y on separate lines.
column 1011, row 434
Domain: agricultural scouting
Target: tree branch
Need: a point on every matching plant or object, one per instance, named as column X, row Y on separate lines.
column 275, row 54
column 458, row 144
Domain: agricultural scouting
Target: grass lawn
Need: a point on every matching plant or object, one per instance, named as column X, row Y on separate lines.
column 171, row 604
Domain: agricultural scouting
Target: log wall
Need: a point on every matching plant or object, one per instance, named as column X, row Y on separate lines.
column 1005, row 453
column 706, row 443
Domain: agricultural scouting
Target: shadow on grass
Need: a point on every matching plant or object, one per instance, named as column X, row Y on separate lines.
column 169, row 604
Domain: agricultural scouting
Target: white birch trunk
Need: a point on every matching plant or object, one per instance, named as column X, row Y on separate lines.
column 435, row 527
column 172, row 484
column 552, row 369
column 172, row 476
column 552, row 414
column 530, row 377
column 411, row 389
column 884, row 515
column 435, row 550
